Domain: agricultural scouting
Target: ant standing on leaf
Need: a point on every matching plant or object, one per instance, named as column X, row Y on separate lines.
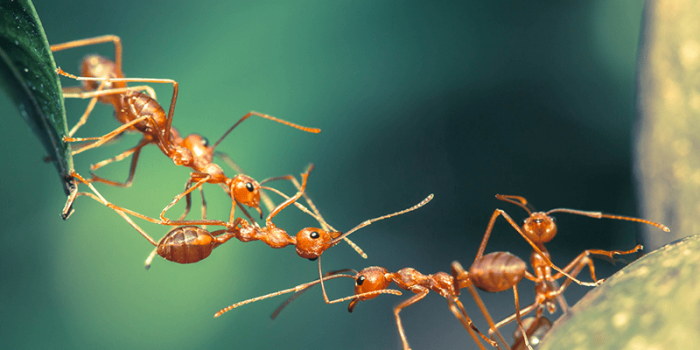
column 140, row 112
column 540, row 228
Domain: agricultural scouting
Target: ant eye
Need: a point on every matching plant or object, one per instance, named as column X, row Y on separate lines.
column 554, row 220
column 205, row 142
column 313, row 259
column 314, row 235
column 360, row 280
column 249, row 186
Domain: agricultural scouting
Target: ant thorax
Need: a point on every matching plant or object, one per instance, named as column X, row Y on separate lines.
column 199, row 146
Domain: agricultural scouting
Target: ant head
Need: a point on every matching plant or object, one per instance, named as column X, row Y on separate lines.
column 369, row 279
column 540, row 227
column 199, row 146
column 312, row 242
column 246, row 191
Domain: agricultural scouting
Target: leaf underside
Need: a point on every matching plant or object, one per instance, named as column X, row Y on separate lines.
column 28, row 76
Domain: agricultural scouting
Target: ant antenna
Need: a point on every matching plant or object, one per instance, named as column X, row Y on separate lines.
column 304, row 177
column 250, row 114
column 299, row 293
column 517, row 200
column 369, row 222
column 599, row 215
column 298, row 288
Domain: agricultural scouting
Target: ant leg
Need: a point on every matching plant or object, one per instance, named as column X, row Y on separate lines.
column 103, row 139
column 71, row 93
column 461, row 314
column 412, row 300
column 93, row 95
column 204, row 207
column 188, row 200
column 121, row 156
column 132, row 169
column 584, row 259
column 304, row 177
column 535, row 247
column 98, row 197
column 518, row 318
column 492, row 327
column 132, row 223
column 92, row 41
column 150, row 258
column 179, row 196
column 511, row 318
column 121, row 211
column 86, row 114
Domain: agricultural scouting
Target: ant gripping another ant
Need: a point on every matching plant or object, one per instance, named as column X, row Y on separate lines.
column 373, row 281
column 492, row 272
column 140, row 112
column 191, row 244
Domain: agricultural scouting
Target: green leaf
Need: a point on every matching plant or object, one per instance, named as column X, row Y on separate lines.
column 28, row 76
column 653, row 303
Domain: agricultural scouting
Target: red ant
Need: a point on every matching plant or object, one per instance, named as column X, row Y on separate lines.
column 190, row 244
column 373, row 281
column 493, row 272
column 140, row 112
column 540, row 228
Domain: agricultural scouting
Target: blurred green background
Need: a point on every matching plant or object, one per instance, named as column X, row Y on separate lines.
column 461, row 99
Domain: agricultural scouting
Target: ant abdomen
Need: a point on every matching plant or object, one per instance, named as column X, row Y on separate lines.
column 96, row 66
column 188, row 244
column 137, row 104
column 497, row 271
